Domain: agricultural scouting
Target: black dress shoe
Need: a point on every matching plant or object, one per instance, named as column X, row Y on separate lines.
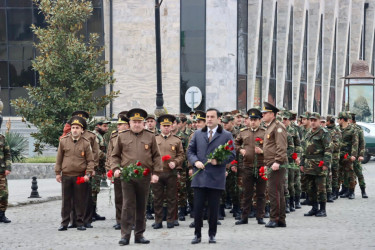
column 241, row 222
column 192, row 225
column 142, row 241
column 271, row 224
column 88, row 225
column 170, row 225
column 158, row 225
column 212, row 239
column 72, row 226
column 196, row 240
column 281, row 224
column 62, row 228
column 261, row 221
column 218, row 223
column 123, row 242
column 81, row 228
column 117, row 227
column 175, row 223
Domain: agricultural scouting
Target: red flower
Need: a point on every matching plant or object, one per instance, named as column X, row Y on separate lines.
column 231, row 148
column 110, row 174
column 264, row 178
column 145, row 173
column 80, row 180
column 166, row 158
column 258, row 139
column 294, row 156
column 139, row 163
column 230, row 142
column 136, row 171
column 234, row 162
column 226, row 148
column 321, row 163
column 261, row 169
column 346, row 156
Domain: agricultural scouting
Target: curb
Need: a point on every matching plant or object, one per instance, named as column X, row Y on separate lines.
column 34, row 201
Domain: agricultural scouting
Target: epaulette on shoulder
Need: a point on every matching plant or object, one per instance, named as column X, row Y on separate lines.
column 177, row 136
column 262, row 128
column 243, row 129
column 148, row 131
column 66, row 136
column 85, row 139
column 91, row 132
column 325, row 130
column 114, row 131
column 123, row 131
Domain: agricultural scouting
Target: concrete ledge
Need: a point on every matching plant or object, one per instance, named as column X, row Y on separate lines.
column 34, row 201
column 28, row 170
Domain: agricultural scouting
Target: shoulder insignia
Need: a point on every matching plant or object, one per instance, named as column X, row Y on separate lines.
column 279, row 130
column 123, row 131
column 85, row 139
column 66, row 136
column 243, row 129
column 177, row 137
column 90, row 132
column 114, row 131
column 149, row 131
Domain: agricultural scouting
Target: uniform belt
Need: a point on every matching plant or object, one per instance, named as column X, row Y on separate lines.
column 312, row 157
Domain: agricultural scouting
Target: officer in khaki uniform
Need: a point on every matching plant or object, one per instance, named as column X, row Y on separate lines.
column 5, row 168
column 166, row 187
column 252, row 152
column 122, row 125
column 315, row 163
column 74, row 159
column 136, row 144
column 275, row 157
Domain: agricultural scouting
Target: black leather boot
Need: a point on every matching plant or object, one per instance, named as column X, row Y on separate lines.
column 253, row 212
column 322, row 210
column 287, row 206
column 307, row 201
column 267, row 211
column 343, row 191
column 351, row 195
column 3, row 218
column 363, row 191
column 97, row 216
column 297, row 202
column 329, row 197
column 313, row 210
column 181, row 214
column 149, row 215
column 236, row 211
column 291, row 204
column 345, row 194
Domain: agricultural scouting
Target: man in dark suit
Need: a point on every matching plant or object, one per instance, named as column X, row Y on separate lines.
column 209, row 183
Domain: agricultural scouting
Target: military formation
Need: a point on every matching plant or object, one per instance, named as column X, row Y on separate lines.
column 279, row 159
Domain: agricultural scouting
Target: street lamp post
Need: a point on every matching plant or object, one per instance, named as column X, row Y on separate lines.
column 359, row 91
column 159, row 94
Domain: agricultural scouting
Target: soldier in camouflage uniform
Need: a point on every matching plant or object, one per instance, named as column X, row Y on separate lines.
column 361, row 154
column 316, row 160
column 5, row 169
column 231, row 185
column 304, row 129
column 184, row 135
column 293, row 172
column 336, row 140
column 100, row 130
column 348, row 154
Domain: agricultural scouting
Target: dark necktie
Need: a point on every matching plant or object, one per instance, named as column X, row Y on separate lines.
column 165, row 137
column 75, row 141
column 210, row 137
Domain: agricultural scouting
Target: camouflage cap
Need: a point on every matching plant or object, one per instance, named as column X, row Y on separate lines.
column 286, row 114
column 323, row 119
column 343, row 115
column 331, row 118
column 227, row 118
column 103, row 121
column 306, row 115
column 188, row 121
column 315, row 115
column 352, row 115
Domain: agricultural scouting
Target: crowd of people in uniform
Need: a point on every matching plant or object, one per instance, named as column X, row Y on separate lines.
column 276, row 160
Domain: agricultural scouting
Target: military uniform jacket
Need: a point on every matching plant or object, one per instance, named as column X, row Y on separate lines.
column 246, row 140
column 131, row 147
column 112, row 141
column 295, row 140
column 74, row 159
column 318, row 148
column 349, row 142
column 335, row 138
column 94, row 145
column 172, row 146
column 275, row 144
column 5, row 160
column 361, row 140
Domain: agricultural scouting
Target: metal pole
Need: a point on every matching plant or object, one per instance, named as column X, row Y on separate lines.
column 159, row 93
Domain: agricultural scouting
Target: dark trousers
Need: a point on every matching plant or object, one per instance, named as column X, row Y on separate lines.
column 248, row 181
column 76, row 192
column 276, row 194
column 118, row 199
column 135, row 194
column 166, row 187
column 212, row 196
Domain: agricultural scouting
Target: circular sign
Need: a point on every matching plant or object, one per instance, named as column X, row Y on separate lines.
column 193, row 97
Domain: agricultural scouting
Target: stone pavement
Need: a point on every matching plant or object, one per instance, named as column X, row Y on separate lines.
column 350, row 225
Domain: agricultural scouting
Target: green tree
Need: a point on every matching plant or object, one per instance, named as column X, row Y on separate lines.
column 361, row 108
column 70, row 71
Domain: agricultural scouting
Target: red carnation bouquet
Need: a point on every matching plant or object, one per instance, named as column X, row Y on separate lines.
column 80, row 180
column 321, row 164
column 220, row 154
column 262, row 173
column 133, row 171
column 166, row 158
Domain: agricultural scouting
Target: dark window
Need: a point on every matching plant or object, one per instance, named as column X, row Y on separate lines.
column 318, row 73
column 332, row 87
column 288, row 90
column 258, row 80
column 242, row 54
column 272, row 86
column 192, row 50
column 302, row 104
column 16, row 46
